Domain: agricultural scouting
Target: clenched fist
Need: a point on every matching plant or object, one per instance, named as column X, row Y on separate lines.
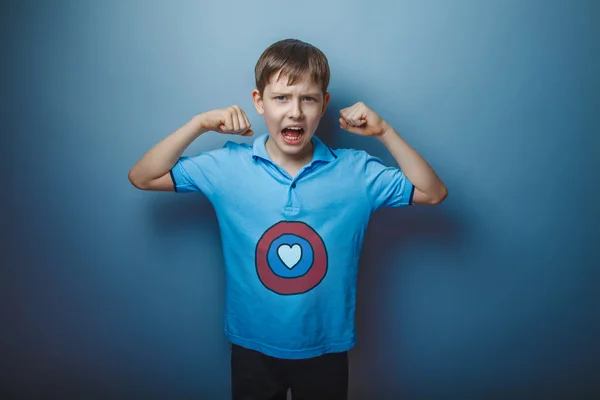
column 231, row 120
column 361, row 120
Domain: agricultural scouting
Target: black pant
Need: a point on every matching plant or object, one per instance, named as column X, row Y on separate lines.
column 256, row 376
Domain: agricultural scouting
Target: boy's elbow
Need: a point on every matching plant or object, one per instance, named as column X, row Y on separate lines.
column 442, row 195
column 134, row 179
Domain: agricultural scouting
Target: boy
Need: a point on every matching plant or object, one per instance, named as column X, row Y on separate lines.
column 292, row 214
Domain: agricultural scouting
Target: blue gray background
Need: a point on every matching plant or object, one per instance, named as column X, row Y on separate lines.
column 109, row 292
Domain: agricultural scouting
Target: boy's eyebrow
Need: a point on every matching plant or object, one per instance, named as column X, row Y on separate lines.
column 290, row 94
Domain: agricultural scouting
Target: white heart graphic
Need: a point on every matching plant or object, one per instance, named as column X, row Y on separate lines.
column 290, row 255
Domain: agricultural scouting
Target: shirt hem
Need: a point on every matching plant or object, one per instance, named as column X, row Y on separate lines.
column 291, row 354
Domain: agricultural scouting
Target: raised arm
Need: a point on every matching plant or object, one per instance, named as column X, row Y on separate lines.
column 429, row 188
column 152, row 171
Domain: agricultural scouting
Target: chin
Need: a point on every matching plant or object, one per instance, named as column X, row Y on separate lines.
column 292, row 152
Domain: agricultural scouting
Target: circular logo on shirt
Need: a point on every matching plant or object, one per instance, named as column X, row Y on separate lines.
column 291, row 258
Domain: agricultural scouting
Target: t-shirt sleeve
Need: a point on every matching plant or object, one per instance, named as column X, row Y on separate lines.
column 385, row 186
column 202, row 172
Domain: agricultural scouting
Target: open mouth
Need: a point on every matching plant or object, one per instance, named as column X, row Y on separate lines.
column 292, row 134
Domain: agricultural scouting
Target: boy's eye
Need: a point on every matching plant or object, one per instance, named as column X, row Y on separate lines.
column 283, row 98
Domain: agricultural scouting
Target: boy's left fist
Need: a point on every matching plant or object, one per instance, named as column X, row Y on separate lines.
column 361, row 120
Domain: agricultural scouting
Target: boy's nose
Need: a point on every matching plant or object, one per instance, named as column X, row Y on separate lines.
column 295, row 110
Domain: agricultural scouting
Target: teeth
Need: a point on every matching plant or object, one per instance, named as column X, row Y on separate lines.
column 292, row 137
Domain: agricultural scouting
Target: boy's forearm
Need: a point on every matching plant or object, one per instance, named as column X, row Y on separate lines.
column 416, row 169
column 162, row 157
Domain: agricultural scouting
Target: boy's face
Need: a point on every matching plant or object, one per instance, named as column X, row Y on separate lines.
column 292, row 113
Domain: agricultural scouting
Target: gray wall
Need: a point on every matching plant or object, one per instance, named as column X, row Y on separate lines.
column 110, row 291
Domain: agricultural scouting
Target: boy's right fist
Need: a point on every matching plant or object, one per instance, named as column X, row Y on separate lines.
column 231, row 120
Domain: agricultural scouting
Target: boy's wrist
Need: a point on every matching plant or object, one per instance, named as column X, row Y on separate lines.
column 198, row 124
column 387, row 132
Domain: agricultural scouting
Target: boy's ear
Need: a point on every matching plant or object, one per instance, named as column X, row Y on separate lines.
column 326, row 99
column 258, row 101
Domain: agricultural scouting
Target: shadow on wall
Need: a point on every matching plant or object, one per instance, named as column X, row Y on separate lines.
column 185, row 226
column 329, row 126
column 176, row 213
column 390, row 231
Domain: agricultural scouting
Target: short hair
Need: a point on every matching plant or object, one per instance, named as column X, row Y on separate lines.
column 295, row 59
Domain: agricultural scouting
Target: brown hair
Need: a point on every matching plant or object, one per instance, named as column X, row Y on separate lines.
column 294, row 58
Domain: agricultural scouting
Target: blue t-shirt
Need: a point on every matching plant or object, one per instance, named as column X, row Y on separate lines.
column 291, row 246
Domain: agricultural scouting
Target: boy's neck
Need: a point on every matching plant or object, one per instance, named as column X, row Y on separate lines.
column 291, row 163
